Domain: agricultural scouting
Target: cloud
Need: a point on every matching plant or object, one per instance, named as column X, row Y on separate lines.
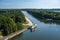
column 29, row 3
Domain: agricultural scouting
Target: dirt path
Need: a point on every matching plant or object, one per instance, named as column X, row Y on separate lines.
column 29, row 21
column 18, row 32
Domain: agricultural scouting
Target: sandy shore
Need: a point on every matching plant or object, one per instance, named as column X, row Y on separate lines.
column 18, row 32
column 29, row 21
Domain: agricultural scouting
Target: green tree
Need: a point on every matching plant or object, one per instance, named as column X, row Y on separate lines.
column 8, row 25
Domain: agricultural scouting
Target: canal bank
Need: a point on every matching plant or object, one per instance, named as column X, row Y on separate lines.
column 44, row 31
column 18, row 32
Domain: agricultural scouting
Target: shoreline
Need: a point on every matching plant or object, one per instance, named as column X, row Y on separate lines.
column 18, row 32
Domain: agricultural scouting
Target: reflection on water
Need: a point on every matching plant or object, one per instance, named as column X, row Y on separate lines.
column 46, row 30
column 46, row 21
column 33, row 29
column 18, row 36
column 49, row 21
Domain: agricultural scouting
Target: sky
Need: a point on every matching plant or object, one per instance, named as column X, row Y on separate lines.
column 38, row 4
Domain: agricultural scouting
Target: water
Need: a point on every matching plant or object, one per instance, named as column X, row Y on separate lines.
column 56, row 11
column 44, row 31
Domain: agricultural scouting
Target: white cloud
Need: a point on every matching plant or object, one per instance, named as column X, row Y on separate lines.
column 31, row 4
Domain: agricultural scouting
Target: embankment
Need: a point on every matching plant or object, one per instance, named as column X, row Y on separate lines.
column 18, row 32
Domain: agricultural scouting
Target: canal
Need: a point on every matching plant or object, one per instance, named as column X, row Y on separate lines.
column 44, row 31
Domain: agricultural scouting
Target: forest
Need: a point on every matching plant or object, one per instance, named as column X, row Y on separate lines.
column 10, row 21
column 45, row 14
